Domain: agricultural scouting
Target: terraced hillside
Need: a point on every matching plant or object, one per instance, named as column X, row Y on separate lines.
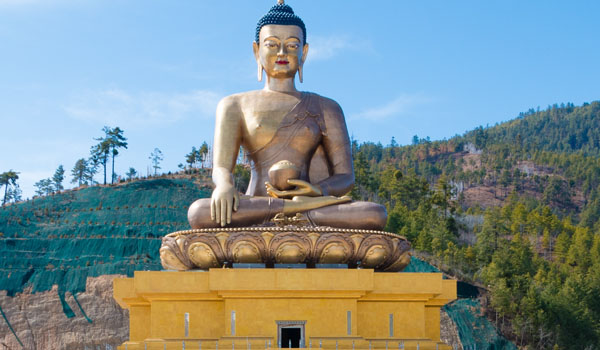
column 60, row 240
column 64, row 238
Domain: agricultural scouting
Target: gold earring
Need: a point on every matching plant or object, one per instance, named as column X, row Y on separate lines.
column 300, row 77
column 260, row 70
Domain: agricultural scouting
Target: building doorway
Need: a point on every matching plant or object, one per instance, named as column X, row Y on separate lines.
column 290, row 337
column 291, row 334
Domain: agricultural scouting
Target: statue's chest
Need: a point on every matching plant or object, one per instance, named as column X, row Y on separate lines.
column 262, row 124
column 300, row 129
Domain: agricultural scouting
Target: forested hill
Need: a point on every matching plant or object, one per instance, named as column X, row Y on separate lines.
column 563, row 128
column 515, row 208
column 549, row 156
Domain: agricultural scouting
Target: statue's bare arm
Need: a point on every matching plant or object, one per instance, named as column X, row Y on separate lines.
column 336, row 144
column 228, row 135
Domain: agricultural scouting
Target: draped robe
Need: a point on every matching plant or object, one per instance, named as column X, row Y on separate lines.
column 322, row 153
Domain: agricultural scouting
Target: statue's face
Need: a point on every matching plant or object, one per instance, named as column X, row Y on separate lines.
column 281, row 50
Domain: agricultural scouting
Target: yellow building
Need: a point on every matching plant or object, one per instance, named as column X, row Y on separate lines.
column 265, row 308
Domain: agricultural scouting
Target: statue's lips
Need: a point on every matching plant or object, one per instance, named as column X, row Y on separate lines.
column 282, row 62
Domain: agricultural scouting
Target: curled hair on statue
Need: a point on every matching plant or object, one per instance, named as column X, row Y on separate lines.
column 280, row 14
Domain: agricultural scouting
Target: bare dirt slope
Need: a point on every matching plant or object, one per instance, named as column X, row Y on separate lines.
column 40, row 323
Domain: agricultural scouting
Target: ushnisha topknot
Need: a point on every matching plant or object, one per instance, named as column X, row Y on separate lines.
column 280, row 14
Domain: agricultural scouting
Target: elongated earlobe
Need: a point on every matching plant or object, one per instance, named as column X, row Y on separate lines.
column 301, row 67
column 260, row 72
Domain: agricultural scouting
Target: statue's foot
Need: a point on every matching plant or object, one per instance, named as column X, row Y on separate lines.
column 360, row 215
column 300, row 204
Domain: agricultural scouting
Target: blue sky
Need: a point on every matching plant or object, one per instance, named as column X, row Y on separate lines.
column 158, row 68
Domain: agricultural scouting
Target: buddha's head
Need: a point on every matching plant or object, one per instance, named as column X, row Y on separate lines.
column 280, row 45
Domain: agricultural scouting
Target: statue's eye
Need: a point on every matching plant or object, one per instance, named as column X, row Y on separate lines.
column 271, row 44
column 293, row 46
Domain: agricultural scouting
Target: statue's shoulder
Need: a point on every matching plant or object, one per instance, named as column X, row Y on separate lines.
column 328, row 105
column 242, row 97
column 238, row 100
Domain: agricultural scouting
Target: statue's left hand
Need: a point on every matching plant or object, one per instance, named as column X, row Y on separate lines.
column 303, row 188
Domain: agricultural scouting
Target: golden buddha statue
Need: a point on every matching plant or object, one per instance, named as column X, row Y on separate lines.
column 295, row 209
column 281, row 124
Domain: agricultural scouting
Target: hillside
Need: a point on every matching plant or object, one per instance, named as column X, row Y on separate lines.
column 564, row 129
column 64, row 238
column 550, row 156
column 50, row 246
column 514, row 207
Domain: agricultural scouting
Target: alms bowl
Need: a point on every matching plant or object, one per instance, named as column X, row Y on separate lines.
column 282, row 171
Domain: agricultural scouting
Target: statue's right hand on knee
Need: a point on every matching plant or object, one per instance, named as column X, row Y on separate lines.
column 224, row 199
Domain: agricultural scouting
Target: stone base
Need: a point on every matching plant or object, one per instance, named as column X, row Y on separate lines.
column 310, row 245
column 256, row 308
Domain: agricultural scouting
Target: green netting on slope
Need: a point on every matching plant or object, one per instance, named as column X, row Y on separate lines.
column 463, row 289
column 418, row 265
column 65, row 238
column 475, row 331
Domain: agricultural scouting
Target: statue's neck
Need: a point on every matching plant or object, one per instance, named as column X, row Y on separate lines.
column 280, row 85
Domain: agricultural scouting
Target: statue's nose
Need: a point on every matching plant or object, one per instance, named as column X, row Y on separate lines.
column 282, row 50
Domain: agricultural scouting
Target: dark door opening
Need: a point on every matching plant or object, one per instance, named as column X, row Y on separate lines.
column 290, row 336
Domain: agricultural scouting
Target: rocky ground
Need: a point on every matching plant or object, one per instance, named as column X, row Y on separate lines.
column 449, row 332
column 40, row 323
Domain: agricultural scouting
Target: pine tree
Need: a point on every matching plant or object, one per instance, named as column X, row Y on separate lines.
column 579, row 251
column 100, row 154
column 156, row 157
column 192, row 157
column 131, row 173
column 44, row 187
column 204, row 151
column 58, row 178
column 115, row 140
column 80, row 172
column 7, row 179
column 563, row 242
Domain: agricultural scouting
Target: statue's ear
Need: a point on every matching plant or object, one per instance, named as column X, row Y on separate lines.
column 301, row 67
column 255, row 49
column 304, row 52
column 260, row 67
